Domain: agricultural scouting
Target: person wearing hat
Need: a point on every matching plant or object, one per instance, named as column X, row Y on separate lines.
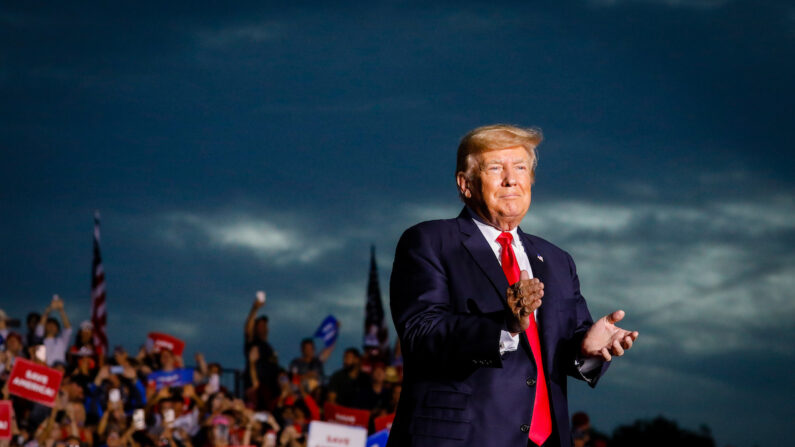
column 56, row 341
column 84, row 344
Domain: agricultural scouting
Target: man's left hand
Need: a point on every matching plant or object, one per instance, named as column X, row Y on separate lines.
column 605, row 339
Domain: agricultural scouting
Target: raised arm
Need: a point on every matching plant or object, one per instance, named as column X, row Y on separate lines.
column 326, row 352
column 252, row 315
column 58, row 305
column 43, row 320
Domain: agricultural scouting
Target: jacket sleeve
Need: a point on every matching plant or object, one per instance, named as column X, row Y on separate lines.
column 588, row 369
column 430, row 330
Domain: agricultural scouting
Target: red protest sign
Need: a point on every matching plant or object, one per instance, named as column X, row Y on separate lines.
column 5, row 420
column 345, row 415
column 383, row 422
column 34, row 382
column 162, row 342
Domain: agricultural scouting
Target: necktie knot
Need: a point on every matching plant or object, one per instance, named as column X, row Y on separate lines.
column 505, row 238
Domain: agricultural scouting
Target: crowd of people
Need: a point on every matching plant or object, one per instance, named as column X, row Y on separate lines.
column 111, row 399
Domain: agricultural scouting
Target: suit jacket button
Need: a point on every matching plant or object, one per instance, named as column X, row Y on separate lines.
column 525, row 428
column 531, row 382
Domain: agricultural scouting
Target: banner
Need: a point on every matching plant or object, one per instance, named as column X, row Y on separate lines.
column 34, row 382
column 384, row 422
column 177, row 377
column 159, row 341
column 328, row 331
column 5, row 420
column 345, row 415
column 378, row 439
column 326, row 434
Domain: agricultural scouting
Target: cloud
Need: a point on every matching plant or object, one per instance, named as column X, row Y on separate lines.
column 277, row 241
column 707, row 278
column 255, row 33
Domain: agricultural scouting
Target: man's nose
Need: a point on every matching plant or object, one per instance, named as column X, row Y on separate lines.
column 509, row 177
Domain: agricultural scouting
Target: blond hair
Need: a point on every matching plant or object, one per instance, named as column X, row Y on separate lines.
column 495, row 137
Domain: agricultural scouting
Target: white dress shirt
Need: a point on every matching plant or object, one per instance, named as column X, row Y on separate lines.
column 508, row 342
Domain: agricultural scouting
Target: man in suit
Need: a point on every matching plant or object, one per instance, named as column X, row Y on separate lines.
column 485, row 362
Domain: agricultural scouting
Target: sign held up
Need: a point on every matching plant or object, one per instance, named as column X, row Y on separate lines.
column 5, row 420
column 34, row 382
column 160, row 342
column 327, row 434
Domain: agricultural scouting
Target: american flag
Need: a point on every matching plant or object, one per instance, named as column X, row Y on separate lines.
column 98, row 314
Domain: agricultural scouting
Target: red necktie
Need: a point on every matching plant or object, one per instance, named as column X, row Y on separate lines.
column 541, row 423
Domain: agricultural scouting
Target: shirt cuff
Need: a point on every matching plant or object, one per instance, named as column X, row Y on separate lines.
column 508, row 342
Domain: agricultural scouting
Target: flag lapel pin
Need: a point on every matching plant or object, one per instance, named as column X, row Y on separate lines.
column 540, row 258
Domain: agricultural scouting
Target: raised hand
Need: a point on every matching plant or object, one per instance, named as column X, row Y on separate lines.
column 605, row 339
column 524, row 298
column 259, row 301
column 57, row 302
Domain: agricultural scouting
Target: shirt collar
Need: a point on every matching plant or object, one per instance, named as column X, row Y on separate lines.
column 491, row 233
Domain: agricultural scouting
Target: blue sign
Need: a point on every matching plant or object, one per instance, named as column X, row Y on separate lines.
column 378, row 439
column 177, row 377
column 328, row 330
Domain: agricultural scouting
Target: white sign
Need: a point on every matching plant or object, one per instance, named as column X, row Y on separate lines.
column 327, row 434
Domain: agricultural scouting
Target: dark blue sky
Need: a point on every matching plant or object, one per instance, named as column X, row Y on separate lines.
column 267, row 146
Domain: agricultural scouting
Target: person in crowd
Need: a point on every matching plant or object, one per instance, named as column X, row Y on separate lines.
column 55, row 339
column 13, row 349
column 31, row 338
column 84, row 344
column 261, row 363
column 309, row 363
column 581, row 429
column 6, row 324
column 377, row 394
column 347, row 383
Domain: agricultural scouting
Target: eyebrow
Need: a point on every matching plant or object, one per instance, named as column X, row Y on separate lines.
column 501, row 161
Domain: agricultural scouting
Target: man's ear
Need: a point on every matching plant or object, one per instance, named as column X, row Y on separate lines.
column 464, row 186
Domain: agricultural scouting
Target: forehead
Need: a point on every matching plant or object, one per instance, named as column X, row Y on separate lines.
column 517, row 153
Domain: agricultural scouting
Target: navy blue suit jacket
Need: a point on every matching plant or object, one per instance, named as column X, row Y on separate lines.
column 447, row 295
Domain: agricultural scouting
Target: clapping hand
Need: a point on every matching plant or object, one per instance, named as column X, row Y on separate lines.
column 523, row 297
column 605, row 339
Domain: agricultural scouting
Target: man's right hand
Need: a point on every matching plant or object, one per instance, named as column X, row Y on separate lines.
column 524, row 298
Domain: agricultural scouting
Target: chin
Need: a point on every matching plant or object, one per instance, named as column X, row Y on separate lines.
column 514, row 212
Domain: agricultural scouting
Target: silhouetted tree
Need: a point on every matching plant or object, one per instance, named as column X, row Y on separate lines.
column 660, row 432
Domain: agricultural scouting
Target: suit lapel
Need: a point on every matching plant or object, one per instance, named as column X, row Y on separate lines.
column 481, row 253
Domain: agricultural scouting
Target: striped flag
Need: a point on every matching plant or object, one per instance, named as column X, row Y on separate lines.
column 98, row 313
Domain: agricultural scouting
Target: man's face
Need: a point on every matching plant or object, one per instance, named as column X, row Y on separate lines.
column 166, row 359
column 13, row 345
column 262, row 329
column 349, row 359
column 308, row 350
column 51, row 329
column 499, row 189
